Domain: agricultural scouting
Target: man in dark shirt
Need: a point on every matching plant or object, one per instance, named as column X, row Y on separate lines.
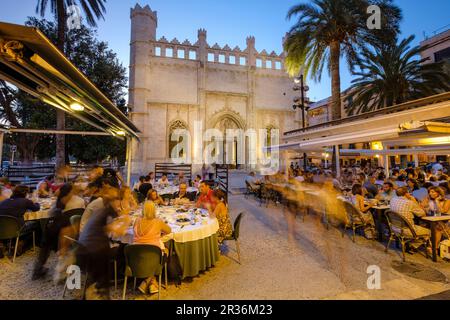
column 146, row 186
column 371, row 188
column 18, row 204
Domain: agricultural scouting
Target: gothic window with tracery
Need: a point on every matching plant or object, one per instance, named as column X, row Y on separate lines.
column 176, row 143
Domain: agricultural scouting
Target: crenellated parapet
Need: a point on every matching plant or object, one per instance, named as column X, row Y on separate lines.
column 144, row 11
column 219, row 54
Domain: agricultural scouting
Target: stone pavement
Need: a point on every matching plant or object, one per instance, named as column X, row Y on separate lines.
column 315, row 263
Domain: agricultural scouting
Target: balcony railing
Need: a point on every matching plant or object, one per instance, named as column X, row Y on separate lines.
column 396, row 108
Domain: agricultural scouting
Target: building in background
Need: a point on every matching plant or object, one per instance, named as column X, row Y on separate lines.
column 173, row 84
column 438, row 47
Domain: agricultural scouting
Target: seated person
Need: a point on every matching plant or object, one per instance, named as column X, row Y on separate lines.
column 128, row 201
column 18, row 204
column 400, row 182
column 439, row 204
column 358, row 201
column 146, row 186
column 6, row 191
column 387, row 192
column 408, row 207
column 44, row 187
column 371, row 188
column 180, row 179
column 380, row 179
column 148, row 230
column 252, row 180
column 152, row 177
column 138, row 183
column 205, row 198
column 163, row 182
column 436, row 201
column 421, row 193
column 154, row 197
column 218, row 209
column 197, row 180
column 181, row 196
column 74, row 201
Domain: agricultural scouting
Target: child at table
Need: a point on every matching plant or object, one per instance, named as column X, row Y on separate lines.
column 148, row 230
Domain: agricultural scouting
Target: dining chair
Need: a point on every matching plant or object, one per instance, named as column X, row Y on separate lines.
column 405, row 232
column 10, row 229
column 235, row 235
column 354, row 219
column 142, row 261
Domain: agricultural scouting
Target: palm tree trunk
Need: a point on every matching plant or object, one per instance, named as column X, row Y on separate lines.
column 335, row 53
column 60, row 115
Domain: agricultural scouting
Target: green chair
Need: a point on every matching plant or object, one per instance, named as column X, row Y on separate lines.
column 235, row 235
column 10, row 229
column 142, row 261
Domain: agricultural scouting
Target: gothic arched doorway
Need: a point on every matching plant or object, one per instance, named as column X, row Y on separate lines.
column 229, row 151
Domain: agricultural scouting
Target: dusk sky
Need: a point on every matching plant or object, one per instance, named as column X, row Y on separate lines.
column 230, row 22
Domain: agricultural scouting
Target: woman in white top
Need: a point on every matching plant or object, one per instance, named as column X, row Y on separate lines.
column 438, row 204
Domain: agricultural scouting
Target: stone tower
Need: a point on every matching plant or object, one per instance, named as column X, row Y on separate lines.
column 144, row 22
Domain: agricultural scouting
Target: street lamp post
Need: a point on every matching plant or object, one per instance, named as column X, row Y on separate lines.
column 302, row 89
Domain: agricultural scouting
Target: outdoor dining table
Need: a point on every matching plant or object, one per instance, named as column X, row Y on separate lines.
column 379, row 212
column 42, row 213
column 433, row 221
column 195, row 242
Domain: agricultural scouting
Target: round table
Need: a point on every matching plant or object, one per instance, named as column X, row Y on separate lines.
column 195, row 243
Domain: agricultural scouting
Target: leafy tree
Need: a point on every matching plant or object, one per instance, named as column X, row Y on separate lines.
column 392, row 75
column 94, row 10
column 20, row 110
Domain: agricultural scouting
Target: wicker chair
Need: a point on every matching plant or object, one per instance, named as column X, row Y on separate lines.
column 355, row 220
column 404, row 231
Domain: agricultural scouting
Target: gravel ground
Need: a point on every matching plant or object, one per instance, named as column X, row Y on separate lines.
column 315, row 263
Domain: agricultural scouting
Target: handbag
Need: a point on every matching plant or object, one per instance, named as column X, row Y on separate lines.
column 174, row 270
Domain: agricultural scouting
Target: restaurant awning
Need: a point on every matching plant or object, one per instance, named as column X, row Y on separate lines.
column 32, row 63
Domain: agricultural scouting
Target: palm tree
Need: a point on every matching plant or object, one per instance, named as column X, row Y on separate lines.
column 93, row 9
column 393, row 75
column 328, row 29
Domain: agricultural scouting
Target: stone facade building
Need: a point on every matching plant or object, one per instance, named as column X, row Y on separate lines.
column 173, row 84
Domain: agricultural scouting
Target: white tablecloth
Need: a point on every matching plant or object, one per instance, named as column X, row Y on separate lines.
column 200, row 228
column 45, row 204
column 173, row 189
